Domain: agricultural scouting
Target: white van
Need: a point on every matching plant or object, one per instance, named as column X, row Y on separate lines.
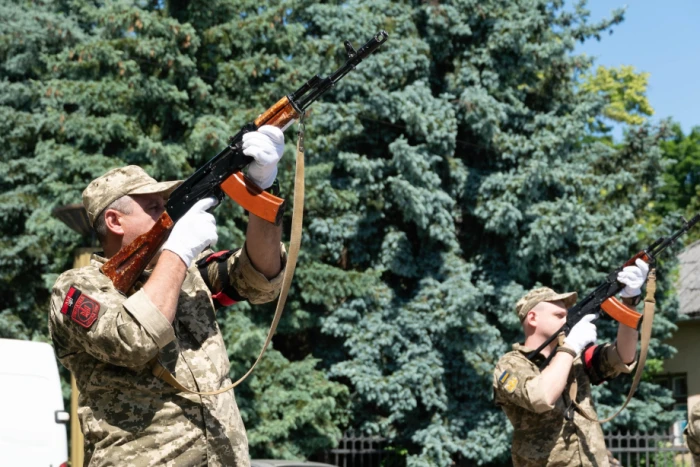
column 32, row 418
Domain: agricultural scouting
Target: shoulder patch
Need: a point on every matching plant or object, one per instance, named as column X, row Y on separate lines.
column 508, row 381
column 81, row 308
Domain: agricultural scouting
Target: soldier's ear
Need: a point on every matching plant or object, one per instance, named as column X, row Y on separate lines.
column 113, row 222
column 531, row 318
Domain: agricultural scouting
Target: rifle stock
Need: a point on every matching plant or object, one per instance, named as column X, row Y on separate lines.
column 126, row 266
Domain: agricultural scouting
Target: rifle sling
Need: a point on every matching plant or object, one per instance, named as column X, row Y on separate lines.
column 647, row 321
column 159, row 371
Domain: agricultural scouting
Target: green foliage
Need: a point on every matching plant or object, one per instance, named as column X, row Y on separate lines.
column 291, row 409
column 394, row 457
column 682, row 177
column 624, row 91
column 448, row 174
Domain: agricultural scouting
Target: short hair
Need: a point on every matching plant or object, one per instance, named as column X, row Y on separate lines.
column 125, row 205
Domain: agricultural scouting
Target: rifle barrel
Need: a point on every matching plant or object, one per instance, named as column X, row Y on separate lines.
column 657, row 247
column 354, row 58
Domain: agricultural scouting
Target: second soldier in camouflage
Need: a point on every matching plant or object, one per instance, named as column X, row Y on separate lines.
column 548, row 429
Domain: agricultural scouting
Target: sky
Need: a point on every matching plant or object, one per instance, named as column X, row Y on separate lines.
column 659, row 37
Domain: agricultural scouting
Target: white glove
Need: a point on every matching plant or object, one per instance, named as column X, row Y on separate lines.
column 265, row 146
column 193, row 232
column 582, row 334
column 633, row 277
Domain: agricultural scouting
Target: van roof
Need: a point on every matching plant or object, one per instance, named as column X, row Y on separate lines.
column 27, row 358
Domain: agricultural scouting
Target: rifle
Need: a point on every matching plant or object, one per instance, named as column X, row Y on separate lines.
column 222, row 173
column 602, row 301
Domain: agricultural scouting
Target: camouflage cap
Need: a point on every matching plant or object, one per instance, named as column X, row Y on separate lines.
column 542, row 294
column 129, row 180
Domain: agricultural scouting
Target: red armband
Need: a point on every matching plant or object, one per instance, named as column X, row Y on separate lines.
column 591, row 362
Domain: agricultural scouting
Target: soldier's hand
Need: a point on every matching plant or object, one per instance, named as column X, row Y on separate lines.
column 582, row 334
column 265, row 146
column 633, row 277
column 193, row 232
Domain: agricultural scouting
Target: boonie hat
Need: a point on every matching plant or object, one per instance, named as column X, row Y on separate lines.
column 129, row 180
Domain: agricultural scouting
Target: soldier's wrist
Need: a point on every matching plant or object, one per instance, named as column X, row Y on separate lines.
column 566, row 349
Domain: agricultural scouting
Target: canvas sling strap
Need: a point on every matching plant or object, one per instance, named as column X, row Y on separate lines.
column 159, row 371
column 647, row 321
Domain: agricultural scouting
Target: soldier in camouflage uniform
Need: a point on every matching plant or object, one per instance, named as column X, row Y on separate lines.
column 693, row 433
column 548, row 430
column 107, row 339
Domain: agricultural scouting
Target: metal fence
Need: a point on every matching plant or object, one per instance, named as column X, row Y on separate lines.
column 649, row 449
column 357, row 451
column 630, row 449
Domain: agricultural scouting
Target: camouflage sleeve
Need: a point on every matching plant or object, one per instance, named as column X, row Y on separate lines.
column 608, row 363
column 238, row 278
column 517, row 381
column 89, row 315
column 692, row 432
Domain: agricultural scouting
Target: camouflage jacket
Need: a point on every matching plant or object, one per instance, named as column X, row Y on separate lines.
column 542, row 435
column 106, row 339
column 693, row 432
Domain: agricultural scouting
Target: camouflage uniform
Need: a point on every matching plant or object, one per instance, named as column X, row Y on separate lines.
column 693, row 433
column 107, row 339
column 546, row 435
column 128, row 416
column 541, row 433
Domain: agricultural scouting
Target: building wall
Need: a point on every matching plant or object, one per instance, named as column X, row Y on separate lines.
column 687, row 341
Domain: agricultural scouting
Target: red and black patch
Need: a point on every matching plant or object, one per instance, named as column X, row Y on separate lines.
column 81, row 308
column 592, row 362
column 229, row 295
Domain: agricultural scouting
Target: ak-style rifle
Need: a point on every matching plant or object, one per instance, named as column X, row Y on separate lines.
column 222, row 173
column 602, row 302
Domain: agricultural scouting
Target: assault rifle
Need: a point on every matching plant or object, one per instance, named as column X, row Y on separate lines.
column 222, row 173
column 602, row 301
